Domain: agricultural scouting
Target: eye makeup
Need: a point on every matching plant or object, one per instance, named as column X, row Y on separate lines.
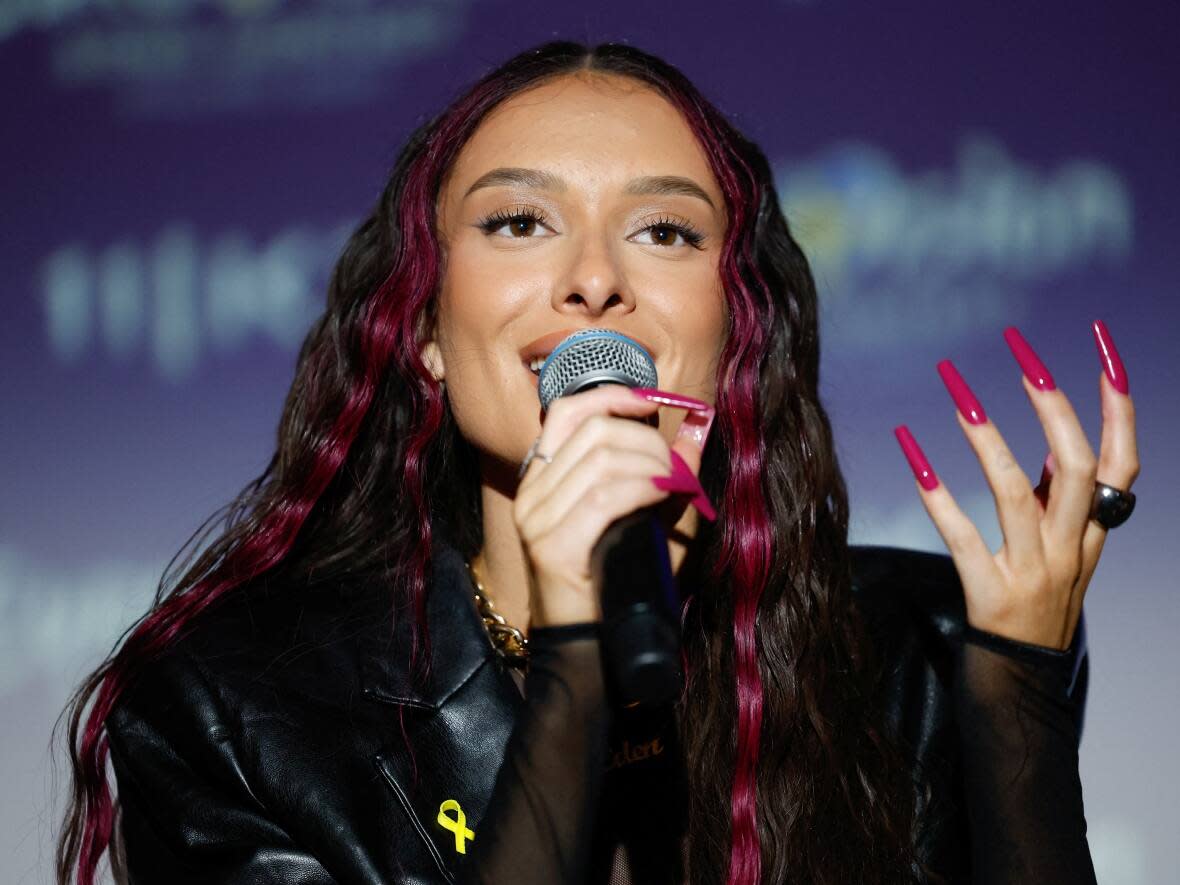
column 530, row 215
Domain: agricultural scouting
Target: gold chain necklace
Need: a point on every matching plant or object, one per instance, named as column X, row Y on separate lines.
column 511, row 643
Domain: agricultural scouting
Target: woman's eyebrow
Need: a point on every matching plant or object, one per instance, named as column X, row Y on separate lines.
column 660, row 185
column 667, row 185
column 534, row 178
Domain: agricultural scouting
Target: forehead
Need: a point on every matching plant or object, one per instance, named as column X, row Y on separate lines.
column 595, row 128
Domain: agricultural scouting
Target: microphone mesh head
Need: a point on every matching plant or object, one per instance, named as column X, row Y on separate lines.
column 590, row 357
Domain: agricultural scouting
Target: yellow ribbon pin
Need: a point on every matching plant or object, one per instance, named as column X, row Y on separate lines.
column 458, row 825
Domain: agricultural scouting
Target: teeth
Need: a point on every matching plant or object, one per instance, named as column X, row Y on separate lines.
column 535, row 363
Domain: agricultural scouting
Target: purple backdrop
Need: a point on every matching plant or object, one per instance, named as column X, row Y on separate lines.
column 180, row 176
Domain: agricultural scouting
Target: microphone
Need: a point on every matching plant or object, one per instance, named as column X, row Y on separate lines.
column 629, row 564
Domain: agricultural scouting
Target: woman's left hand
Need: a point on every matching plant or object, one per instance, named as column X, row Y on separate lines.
column 1031, row 590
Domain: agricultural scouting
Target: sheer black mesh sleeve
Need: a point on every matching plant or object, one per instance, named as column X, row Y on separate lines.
column 539, row 824
column 1019, row 726
column 1019, row 718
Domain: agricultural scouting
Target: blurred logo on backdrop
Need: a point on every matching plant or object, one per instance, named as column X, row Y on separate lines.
column 182, row 57
column 182, row 298
column 945, row 251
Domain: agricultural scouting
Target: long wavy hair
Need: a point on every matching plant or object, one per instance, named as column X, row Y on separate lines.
column 808, row 786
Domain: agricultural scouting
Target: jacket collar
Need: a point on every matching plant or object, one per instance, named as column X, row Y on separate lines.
column 459, row 643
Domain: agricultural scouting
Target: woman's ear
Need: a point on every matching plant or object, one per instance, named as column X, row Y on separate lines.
column 432, row 357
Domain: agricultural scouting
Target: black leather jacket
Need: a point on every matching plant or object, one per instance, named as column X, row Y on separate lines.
column 269, row 744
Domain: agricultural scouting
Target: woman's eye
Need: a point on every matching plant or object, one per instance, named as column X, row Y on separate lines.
column 663, row 234
column 519, row 226
column 666, row 235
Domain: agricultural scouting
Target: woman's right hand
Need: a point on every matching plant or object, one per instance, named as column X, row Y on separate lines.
column 602, row 469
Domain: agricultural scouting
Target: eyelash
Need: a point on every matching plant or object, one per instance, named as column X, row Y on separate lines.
column 497, row 220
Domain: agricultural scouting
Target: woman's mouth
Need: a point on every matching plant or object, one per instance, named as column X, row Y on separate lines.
column 533, row 367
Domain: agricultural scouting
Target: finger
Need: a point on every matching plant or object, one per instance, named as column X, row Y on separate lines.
column 692, row 435
column 1118, row 459
column 1068, row 484
column 963, row 540
column 1016, row 507
column 1118, row 456
column 595, row 436
column 600, row 505
column 1118, row 462
column 567, row 412
column 606, row 467
column 1075, row 468
column 1068, row 506
column 687, row 452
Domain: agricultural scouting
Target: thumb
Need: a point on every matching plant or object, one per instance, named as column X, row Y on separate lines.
column 690, row 439
column 688, row 448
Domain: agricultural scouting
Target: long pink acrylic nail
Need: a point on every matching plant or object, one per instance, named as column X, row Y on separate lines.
column 1112, row 363
column 667, row 398
column 695, row 429
column 1034, row 370
column 696, row 424
column 684, row 481
column 923, row 472
column 965, row 400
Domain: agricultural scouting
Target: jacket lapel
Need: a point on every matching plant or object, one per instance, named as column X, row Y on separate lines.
column 459, row 644
column 453, row 729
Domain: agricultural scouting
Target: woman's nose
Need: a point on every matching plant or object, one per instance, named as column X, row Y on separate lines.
column 593, row 281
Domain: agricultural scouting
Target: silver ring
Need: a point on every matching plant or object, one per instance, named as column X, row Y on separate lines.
column 528, row 459
column 1111, row 506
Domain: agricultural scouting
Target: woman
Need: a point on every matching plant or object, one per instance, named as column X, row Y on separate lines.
column 319, row 699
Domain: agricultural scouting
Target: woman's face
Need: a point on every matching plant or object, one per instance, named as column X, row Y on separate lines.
column 583, row 202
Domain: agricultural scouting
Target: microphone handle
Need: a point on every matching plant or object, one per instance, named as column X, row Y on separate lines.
column 641, row 623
